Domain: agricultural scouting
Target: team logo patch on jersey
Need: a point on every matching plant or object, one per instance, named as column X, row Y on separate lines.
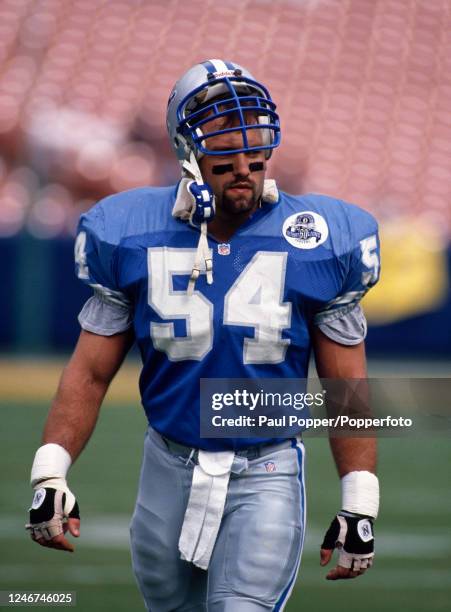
column 224, row 249
column 270, row 466
column 305, row 230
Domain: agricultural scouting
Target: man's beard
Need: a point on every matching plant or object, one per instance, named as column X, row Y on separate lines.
column 242, row 203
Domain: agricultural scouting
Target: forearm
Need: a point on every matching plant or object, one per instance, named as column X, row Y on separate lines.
column 355, row 457
column 82, row 387
column 74, row 411
column 335, row 361
column 354, row 454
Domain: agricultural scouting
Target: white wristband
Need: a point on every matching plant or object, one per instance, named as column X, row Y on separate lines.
column 360, row 493
column 50, row 461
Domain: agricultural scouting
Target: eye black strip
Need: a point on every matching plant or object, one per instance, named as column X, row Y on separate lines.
column 224, row 168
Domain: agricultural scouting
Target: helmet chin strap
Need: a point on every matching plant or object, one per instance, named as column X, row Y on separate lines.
column 191, row 167
column 202, row 200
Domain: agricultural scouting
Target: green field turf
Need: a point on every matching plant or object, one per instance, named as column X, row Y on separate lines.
column 412, row 571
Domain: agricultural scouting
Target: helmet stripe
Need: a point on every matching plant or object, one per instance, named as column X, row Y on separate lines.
column 229, row 65
column 219, row 65
column 209, row 66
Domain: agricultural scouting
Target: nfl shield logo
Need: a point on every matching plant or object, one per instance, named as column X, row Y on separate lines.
column 270, row 466
column 224, row 249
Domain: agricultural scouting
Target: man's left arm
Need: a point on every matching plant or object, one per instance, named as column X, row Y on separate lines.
column 351, row 530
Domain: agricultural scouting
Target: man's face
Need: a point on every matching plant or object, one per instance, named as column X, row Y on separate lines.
column 239, row 189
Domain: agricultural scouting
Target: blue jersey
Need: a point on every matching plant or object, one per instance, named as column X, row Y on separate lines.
column 291, row 264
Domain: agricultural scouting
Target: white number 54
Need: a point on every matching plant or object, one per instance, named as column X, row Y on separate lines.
column 254, row 300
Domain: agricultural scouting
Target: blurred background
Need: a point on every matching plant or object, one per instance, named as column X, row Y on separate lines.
column 363, row 89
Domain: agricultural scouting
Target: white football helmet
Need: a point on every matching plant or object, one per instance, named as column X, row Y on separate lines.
column 194, row 101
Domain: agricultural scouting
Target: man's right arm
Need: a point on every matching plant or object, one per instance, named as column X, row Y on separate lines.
column 70, row 423
column 82, row 387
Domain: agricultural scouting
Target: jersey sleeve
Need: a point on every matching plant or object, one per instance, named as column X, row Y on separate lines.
column 104, row 318
column 109, row 311
column 360, row 262
column 349, row 328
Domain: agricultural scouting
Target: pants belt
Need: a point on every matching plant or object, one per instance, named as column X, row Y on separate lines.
column 253, row 452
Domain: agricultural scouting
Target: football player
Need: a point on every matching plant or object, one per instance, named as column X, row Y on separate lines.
column 221, row 275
